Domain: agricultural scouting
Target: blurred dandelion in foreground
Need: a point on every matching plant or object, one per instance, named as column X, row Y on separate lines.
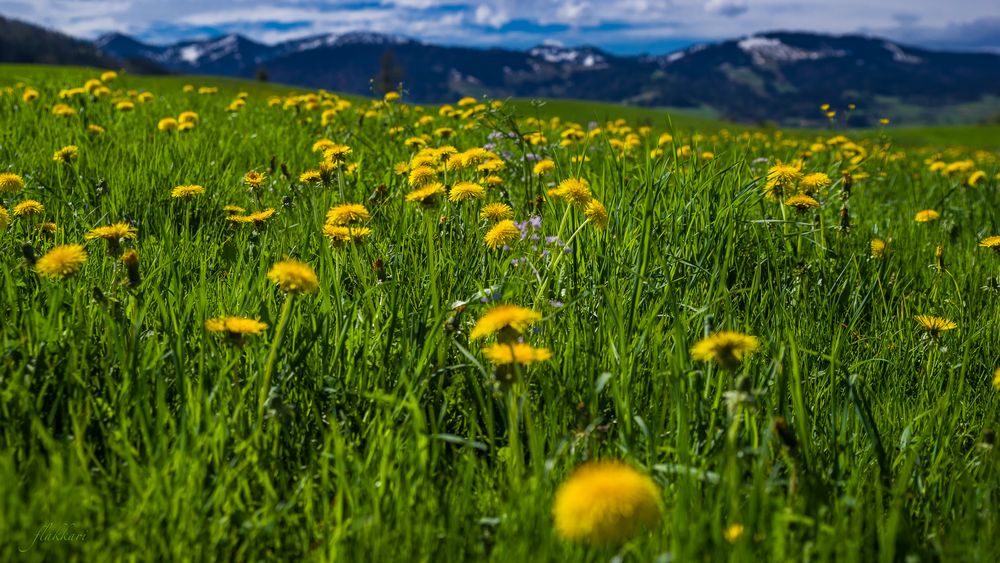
column 293, row 276
column 62, row 261
column 996, row 379
column 727, row 348
column 926, row 216
column 4, row 218
column 934, row 326
column 235, row 329
column 507, row 320
column 10, row 183
column 516, row 353
column 502, row 234
column 605, row 503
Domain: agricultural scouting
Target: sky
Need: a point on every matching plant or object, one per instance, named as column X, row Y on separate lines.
column 619, row 26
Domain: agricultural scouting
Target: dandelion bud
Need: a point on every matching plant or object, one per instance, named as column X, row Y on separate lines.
column 845, row 218
column 939, row 256
column 29, row 254
column 272, row 167
column 130, row 259
column 848, row 182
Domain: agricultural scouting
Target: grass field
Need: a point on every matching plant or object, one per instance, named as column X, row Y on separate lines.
column 766, row 374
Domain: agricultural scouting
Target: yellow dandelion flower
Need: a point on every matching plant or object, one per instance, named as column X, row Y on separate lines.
column 733, row 533
column 975, row 178
column 926, row 215
column 167, row 124
column 391, row 96
column 293, row 276
column 421, row 175
column 125, row 105
column 996, row 379
column 47, row 228
column 574, row 190
column 186, row 192
column 187, row 117
column 28, row 208
column 991, row 242
column 504, row 319
column 727, row 348
column 94, row 129
column 605, row 503
column 236, row 329
column 29, row 95
column 935, row 325
column 63, row 110
column 347, row 213
column 257, row 217
column 311, row 177
column 10, row 183
column 462, row 191
column 4, row 218
column 62, row 261
column 515, row 353
column 342, row 234
column 427, row 194
column 543, row 167
column 596, row 212
column 502, row 234
column 336, row 153
column 780, row 179
column 66, row 154
column 802, row 202
column 878, row 248
column 115, row 231
column 812, row 183
column 496, row 212
column 254, row 179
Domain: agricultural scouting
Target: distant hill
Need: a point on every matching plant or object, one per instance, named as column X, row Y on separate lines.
column 780, row 77
column 22, row 42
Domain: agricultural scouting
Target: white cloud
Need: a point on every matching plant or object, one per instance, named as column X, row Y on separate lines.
column 729, row 8
column 485, row 22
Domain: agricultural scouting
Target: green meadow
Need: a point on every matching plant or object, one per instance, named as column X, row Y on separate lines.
column 384, row 414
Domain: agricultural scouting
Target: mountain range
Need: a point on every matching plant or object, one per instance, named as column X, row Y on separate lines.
column 780, row 77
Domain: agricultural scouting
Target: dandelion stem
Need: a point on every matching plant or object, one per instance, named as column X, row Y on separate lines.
column 272, row 357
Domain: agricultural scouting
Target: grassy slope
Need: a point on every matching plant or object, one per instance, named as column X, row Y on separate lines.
column 985, row 136
column 387, row 439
